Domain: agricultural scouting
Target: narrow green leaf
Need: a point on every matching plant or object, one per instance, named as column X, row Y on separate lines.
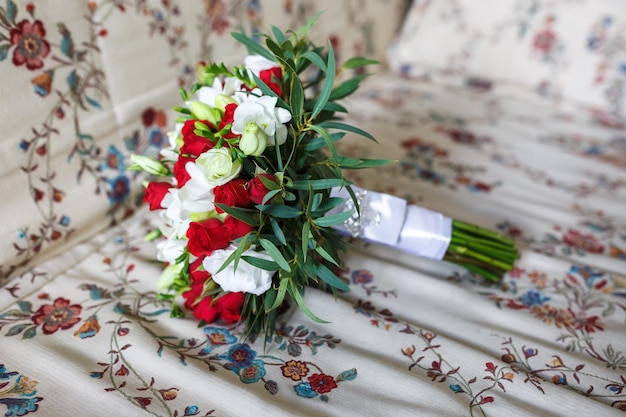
column 278, row 232
column 315, row 59
column 275, row 254
column 306, row 230
column 280, row 294
column 319, row 141
column 327, row 138
column 330, row 278
column 275, row 48
column 326, row 255
column 319, row 184
column 293, row 291
column 355, row 163
column 347, row 128
column 252, row 46
column 329, row 82
column 247, row 216
column 280, row 210
column 278, row 34
column 357, row 61
column 303, row 31
column 346, row 88
column 297, row 98
column 333, row 220
column 261, row 263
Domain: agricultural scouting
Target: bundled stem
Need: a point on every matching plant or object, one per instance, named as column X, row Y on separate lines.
column 481, row 251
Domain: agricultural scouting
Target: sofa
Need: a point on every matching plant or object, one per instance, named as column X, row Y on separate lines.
column 508, row 114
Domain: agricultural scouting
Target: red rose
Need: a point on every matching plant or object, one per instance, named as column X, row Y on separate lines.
column 227, row 307
column 257, row 190
column 197, row 275
column 194, row 144
column 154, row 193
column 270, row 76
column 236, row 228
column 234, row 194
column 228, row 118
column 206, row 236
column 180, row 172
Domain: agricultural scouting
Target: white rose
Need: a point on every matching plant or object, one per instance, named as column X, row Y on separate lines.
column 216, row 165
column 246, row 278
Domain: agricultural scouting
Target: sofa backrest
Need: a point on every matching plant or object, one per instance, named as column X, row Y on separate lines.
column 563, row 49
column 85, row 84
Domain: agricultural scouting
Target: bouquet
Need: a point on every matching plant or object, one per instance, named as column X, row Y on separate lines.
column 252, row 197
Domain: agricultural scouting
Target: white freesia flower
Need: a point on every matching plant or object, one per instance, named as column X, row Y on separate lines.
column 266, row 115
column 216, row 167
column 246, row 278
column 168, row 250
column 169, row 274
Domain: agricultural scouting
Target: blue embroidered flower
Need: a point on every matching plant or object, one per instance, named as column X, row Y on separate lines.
column 253, row 373
column 120, row 188
column 4, row 374
column 156, row 138
column 533, row 298
column 114, row 160
column 217, row 337
column 17, row 407
column 303, row 389
column 191, row 410
column 240, row 356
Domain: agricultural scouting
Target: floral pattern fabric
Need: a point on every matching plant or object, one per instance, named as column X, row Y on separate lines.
column 412, row 337
column 562, row 49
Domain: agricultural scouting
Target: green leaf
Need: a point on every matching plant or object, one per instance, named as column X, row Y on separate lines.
column 11, row 11
column 328, row 83
column 322, row 184
column 246, row 216
column 17, row 329
column 303, row 32
column 275, row 254
column 4, row 51
column 327, row 138
column 348, row 375
column 319, row 141
column 278, row 34
column 261, row 263
column 293, row 291
column 357, row 61
column 252, row 46
column 355, row 163
column 347, row 128
column 330, row 278
column 280, row 295
column 280, row 210
column 333, row 220
column 297, row 98
column 326, row 255
column 346, row 88
column 315, row 59
column 275, row 48
column 306, row 230
column 278, row 232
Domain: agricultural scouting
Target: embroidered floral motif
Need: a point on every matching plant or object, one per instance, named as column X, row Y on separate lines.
column 17, row 393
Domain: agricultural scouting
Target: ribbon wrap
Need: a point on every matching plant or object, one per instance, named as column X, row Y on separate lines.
column 391, row 221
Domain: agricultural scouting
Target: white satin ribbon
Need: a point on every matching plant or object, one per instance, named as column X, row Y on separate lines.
column 389, row 220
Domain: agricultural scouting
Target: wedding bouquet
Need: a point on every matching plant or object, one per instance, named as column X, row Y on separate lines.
column 254, row 200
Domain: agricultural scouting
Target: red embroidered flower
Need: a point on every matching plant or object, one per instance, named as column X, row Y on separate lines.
column 193, row 144
column 30, row 44
column 59, row 315
column 257, row 189
column 545, row 41
column 206, row 236
column 322, row 383
column 589, row 243
column 154, row 193
column 234, row 194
